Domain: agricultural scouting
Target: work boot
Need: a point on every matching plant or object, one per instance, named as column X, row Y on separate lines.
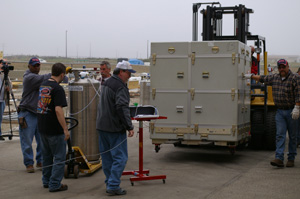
column 63, row 187
column 290, row 163
column 39, row 165
column 30, row 169
column 277, row 163
column 116, row 192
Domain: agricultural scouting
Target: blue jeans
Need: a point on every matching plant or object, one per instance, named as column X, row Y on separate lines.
column 26, row 138
column 2, row 107
column 284, row 122
column 54, row 153
column 114, row 161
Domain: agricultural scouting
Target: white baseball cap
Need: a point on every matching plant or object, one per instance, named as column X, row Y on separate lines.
column 125, row 65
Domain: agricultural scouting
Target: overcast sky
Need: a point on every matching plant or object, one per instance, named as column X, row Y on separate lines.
column 121, row 28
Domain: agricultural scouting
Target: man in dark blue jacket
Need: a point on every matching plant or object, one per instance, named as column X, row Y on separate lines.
column 113, row 120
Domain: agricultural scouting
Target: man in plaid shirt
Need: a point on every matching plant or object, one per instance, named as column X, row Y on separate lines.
column 286, row 95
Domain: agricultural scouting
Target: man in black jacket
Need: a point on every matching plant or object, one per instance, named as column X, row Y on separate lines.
column 113, row 120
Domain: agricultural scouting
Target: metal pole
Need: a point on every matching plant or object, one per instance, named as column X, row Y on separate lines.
column 90, row 49
column 66, row 44
column 147, row 49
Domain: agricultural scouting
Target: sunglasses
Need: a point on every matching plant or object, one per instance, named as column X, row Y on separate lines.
column 37, row 65
column 281, row 67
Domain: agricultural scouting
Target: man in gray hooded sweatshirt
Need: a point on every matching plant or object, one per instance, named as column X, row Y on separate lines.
column 27, row 114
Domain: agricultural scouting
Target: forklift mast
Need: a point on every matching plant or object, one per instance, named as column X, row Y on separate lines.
column 213, row 23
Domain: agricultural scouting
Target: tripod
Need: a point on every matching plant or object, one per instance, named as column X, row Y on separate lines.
column 6, row 82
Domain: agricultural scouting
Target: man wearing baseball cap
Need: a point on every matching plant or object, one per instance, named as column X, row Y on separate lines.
column 286, row 95
column 27, row 114
column 113, row 120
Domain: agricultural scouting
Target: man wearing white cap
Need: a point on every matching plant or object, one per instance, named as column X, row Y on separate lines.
column 113, row 120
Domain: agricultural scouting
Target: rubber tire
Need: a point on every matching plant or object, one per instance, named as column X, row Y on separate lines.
column 270, row 133
column 76, row 171
column 257, row 120
column 66, row 171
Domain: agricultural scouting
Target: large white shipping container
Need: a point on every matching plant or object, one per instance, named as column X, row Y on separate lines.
column 200, row 87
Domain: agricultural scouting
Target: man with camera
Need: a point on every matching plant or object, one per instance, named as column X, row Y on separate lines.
column 2, row 100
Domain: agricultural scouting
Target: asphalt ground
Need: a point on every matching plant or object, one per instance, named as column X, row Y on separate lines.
column 192, row 172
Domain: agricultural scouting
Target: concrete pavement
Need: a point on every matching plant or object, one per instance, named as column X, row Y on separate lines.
column 192, row 172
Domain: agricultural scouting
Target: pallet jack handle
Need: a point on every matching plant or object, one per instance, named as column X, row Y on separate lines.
column 73, row 123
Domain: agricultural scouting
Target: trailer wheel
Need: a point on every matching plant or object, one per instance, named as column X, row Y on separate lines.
column 270, row 133
column 76, row 171
column 66, row 171
column 257, row 128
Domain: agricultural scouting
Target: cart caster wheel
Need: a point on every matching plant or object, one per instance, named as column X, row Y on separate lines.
column 232, row 150
column 66, row 172
column 76, row 171
column 147, row 174
column 164, row 181
column 9, row 137
column 132, row 184
column 157, row 148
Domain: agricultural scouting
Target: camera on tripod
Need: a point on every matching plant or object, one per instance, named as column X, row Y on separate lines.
column 5, row 66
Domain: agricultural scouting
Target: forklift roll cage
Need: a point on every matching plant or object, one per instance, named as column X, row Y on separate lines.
column 213, row 23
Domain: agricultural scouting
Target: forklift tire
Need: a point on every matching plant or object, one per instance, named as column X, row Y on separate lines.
column 76, row 171
column 270, row 133
column 257, row 132
column 66, row 171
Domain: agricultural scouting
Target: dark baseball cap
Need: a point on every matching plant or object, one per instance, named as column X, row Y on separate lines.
column 33, row 61
column 282, row 62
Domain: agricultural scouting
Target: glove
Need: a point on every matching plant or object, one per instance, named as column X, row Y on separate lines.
column 68, row 69
column 295, row 113
column 248, row 76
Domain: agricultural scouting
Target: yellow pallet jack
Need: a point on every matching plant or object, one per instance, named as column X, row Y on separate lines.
column 76, row 160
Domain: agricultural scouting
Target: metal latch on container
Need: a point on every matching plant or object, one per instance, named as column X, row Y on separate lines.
column 198, row 109
column 180, row 74
column 192, row 90
column 233, row 129
column 233, row 58
column 196, row 128
column 179, row 109
column 154, row 58
column 215, row 49
column 193, row 57
column 153, row 93
column 243, row 50
column 171, row 50
column 151, row 127
column 205, row 74
column 232, row 93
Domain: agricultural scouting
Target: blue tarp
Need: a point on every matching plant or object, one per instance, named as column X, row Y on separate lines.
column 136, row 62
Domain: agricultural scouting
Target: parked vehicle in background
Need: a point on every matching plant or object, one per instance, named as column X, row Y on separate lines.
column 42, row 60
